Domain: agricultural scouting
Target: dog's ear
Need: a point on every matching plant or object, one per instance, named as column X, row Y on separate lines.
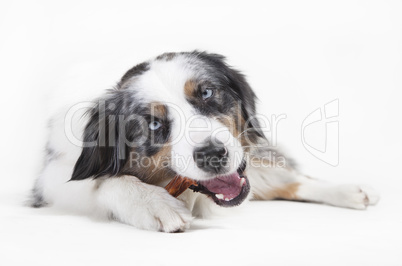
column 105, row 150
column 237, row 82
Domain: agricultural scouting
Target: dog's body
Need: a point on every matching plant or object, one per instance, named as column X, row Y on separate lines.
column 183, row 114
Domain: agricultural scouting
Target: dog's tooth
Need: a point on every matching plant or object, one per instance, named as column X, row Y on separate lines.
column 227, row 199
column 219, row 196
column 242, row 181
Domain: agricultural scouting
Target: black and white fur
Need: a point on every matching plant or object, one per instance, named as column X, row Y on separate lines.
column 89, row 171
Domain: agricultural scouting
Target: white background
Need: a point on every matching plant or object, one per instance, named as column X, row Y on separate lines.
column 298, row 56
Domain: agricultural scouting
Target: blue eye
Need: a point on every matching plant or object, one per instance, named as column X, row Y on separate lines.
column 207, row 93
column 155, row 125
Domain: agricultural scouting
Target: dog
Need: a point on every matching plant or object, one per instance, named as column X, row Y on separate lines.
column 188, row 114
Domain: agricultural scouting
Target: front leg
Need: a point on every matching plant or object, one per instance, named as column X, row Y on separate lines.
column 284, row 183
column 144, row 206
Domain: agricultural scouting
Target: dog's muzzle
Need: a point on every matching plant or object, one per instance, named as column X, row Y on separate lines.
column 212, row 157
column 226, row 190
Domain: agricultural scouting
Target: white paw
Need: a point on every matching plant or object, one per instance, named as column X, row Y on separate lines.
column 354, row 196
column 371, row 193
column 161, row 212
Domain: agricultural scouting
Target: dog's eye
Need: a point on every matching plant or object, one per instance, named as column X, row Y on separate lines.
column 207, row 93
column 154, row 125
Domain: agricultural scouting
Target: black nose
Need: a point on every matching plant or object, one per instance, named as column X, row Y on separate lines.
column 212, row 157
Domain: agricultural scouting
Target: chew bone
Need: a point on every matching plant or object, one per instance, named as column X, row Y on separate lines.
column 178, row 184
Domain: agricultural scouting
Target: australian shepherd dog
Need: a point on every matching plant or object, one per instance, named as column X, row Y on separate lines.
column 180, row 114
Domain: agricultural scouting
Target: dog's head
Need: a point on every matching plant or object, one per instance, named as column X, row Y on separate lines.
column 182, row 113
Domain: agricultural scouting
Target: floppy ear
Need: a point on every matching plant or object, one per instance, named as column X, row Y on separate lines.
column 105, row 150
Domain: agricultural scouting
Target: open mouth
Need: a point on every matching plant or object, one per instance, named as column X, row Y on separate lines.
column 225, row 190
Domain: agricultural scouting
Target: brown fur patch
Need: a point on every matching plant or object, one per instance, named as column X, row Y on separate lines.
column 151, row 170
column 286, row 192
column 163, row 152
column 157, row 172
column 189, row 88
column 236, row 125
column 158, row 110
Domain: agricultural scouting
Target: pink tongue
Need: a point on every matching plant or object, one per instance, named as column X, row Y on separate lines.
column 230, row 186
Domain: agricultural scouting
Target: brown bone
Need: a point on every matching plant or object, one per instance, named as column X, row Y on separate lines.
column 178, row 184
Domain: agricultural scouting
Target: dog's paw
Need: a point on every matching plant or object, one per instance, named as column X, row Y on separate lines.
column 161, row 212
column 354, row 196
column 170, row 213
column 371, row 193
